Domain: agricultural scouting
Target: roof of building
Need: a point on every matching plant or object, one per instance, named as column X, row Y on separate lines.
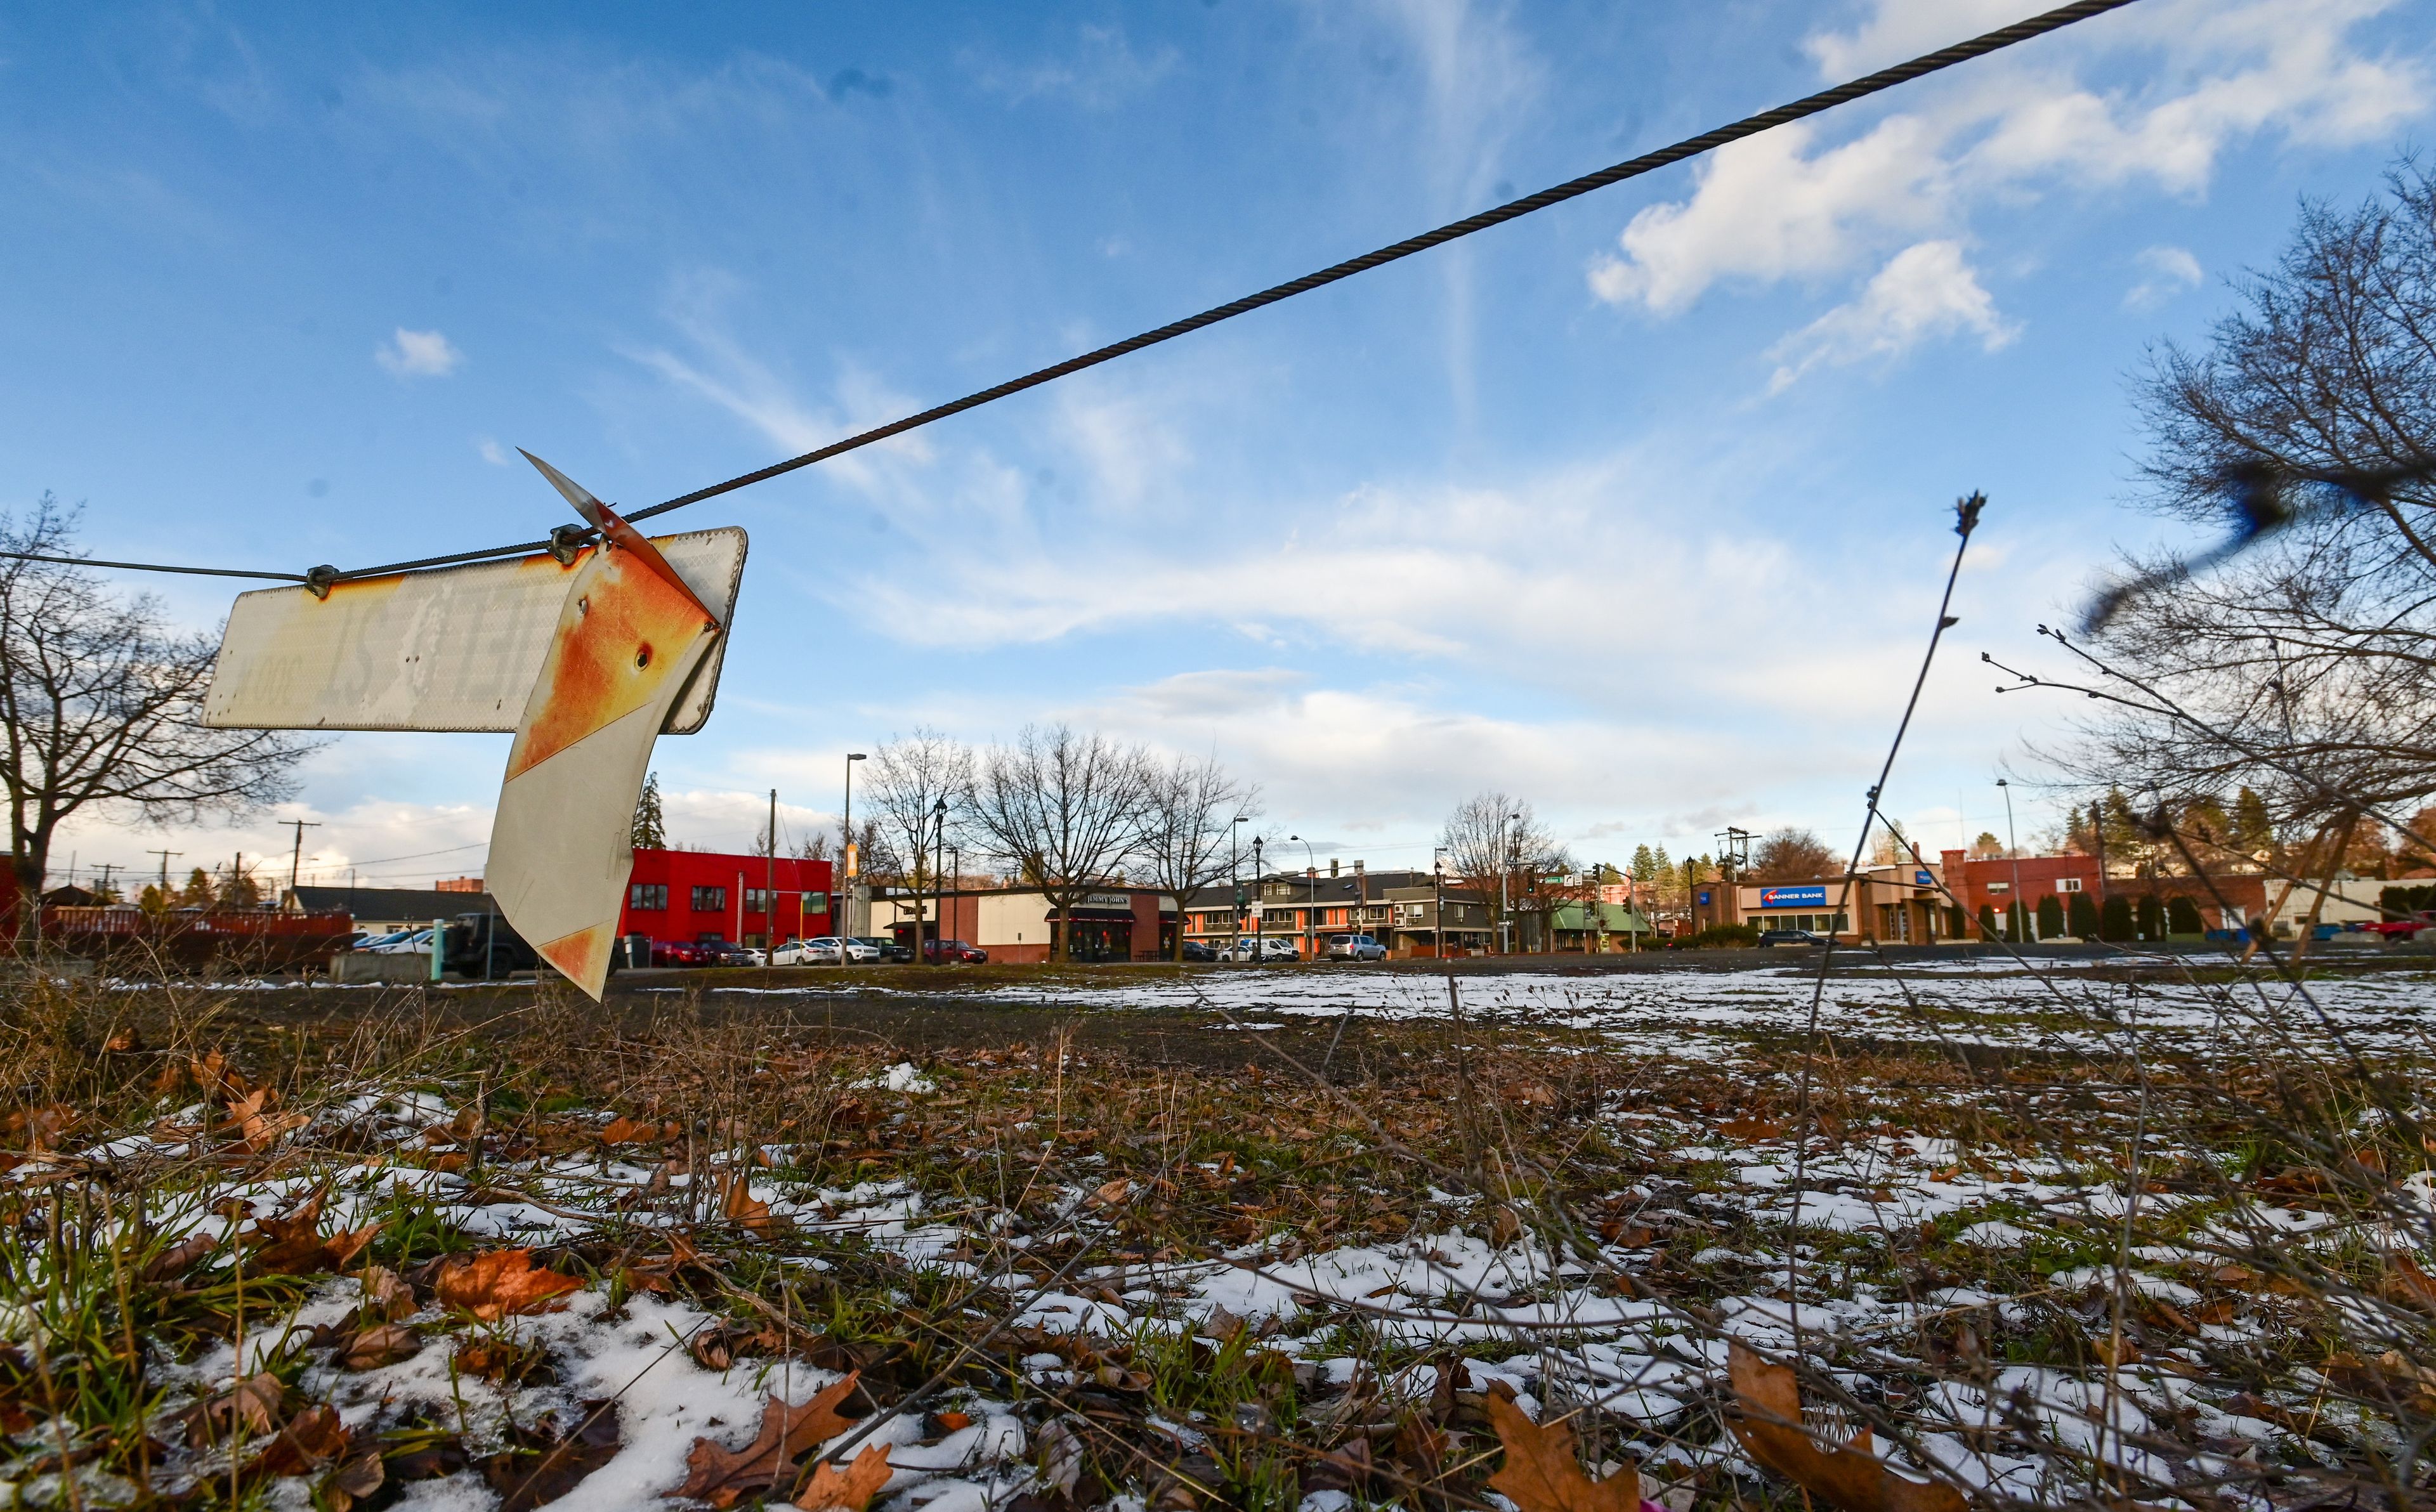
column 385, row 902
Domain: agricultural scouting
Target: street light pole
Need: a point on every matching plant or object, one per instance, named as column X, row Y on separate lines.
column 1505, row 903
column 1259, row 922
column 1437, row 905
column 849, row 858
column 938, row 856
column 1311, row 898
column 2022, row 925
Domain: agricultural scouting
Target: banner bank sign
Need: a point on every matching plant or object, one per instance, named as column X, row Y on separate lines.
column 1792, row 897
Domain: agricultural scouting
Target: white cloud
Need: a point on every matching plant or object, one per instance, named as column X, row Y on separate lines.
column 718, row 367
column 2170, row 271
column 419, row 355
column 1102, row 71
column 1796, row 204
column 1924, row 291
column 492, row 452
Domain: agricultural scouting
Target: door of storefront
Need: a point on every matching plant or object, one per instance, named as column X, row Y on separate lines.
column 1101, row 939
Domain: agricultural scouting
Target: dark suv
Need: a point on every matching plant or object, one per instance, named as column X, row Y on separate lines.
column 485, row 947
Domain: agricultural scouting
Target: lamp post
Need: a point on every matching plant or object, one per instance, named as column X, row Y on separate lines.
column 2022, row 925
column 1311, row 898
column 849, row 858
column 1259, row 951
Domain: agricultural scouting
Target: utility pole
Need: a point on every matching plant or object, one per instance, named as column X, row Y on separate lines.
column 770, row 890
column 1438, row 907
column 2020, row 924
column 296, row 856
column 1311, row 898
column 102, row 889
column 1235, row 879
column 164, row 856
column 849, row 858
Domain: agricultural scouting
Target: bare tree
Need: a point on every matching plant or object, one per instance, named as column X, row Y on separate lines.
column 1189, row 807
column 2304, row 664
column 915, row 781
column 101, row 701
column 1061, row 811
column 1790, row 855
column 1493, row 841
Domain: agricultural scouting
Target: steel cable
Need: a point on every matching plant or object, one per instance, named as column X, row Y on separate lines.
column 1692, row 147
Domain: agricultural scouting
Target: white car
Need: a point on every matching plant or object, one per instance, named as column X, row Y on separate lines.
column 1260, row 948
column 824, row 951
column 404, row 942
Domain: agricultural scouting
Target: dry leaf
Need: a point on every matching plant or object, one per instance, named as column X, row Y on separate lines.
column 383, row 1344
column 720, row 1475
column 852, row 1487
column 252, row 1404
column 1111, row 1192
column 258, row 1130
column 2405, row 1282
column 352, row 1481
column 1542, row 1475
column 493, row 1285
column 624, row 1130
column 742, row 1209
column 179, row 1257
column 386, row 1294
column 1848, row 1477
column 311, row 1439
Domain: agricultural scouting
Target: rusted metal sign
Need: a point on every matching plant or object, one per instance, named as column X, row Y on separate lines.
column 451, row 648
column 586, row 660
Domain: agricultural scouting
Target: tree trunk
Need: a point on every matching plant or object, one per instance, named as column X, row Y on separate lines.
column 1176, row 953
column 27, row 869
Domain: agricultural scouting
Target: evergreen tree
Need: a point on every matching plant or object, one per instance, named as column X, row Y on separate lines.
column 1988, row 922
column 2050, row 917
column 197, row 894
column 153, row 900
column 2114, row 919
column 649, row 832
column 2152, row 917
column 243, row 890
column 2254, row 832
column 2081, row 917
column 1644, row 864
column 2183, row 916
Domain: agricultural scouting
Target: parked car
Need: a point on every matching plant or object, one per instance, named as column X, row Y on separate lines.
column 1199, row 951
column 1353, row 947
column 679, row 953
column 953, row 952
column 404, row 942
column 1260, row 948
column 726, row 953
column 820, row 953
column 2408, row 927
column 862, row 948
column 889, row 950
column 1789, row 937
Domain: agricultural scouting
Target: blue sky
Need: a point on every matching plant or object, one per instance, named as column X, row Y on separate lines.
column 1636, row 508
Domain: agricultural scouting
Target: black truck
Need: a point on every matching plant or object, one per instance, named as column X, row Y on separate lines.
column 485, row 947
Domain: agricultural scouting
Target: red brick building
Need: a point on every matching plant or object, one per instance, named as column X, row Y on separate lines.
column 1991, row 884
column 691, row 895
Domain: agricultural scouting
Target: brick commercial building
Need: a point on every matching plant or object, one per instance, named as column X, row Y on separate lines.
column 1016, row 924
column 689, row 896
column 1398, row 909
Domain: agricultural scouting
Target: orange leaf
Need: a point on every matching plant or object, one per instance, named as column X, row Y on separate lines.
column 1111, row 1192
column 1541, row 1474
column 742, row 1209
column 719, row 1476
column 493, row 1285
column 2405, row 1282
column 851, row 1488
column 1847, row 1477
column 624, row 1130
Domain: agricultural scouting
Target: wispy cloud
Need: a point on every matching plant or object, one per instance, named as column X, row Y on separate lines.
column 491, row 452
column 419, row 355
column 1102, row 70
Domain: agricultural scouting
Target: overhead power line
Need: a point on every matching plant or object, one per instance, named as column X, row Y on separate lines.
column 1691, row 146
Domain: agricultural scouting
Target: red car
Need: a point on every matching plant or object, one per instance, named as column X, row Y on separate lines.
column 953, row 952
